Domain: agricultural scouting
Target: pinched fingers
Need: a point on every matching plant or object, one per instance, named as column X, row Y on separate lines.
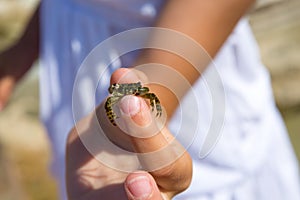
column 158, row 151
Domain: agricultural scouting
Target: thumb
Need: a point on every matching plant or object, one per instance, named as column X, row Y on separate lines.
column 157, row 150
column 141, row 186
column 6, row 87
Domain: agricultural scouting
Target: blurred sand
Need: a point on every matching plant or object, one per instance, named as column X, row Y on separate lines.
column 277, row 29
column 24, row 149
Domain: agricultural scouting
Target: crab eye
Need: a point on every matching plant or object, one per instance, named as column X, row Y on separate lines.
column 111, row 88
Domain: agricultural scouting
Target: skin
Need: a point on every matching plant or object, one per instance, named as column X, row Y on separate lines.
column 208, row 23
column 100, row 179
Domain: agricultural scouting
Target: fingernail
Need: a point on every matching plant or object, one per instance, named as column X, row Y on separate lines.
column 128, row 76
column 137, row 109
column 132, row 76
column 130, row 105
column 139, row 187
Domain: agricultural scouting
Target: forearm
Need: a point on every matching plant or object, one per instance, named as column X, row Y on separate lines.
column 207, row 22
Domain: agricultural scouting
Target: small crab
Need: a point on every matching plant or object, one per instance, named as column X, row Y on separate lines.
column 118, row 91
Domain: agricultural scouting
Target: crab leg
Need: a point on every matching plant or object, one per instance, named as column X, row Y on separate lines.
column 109, row 111
column 153, row 101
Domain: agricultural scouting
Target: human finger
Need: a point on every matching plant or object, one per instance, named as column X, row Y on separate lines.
column 141, row 186
column 128, row 75
column 157, row 149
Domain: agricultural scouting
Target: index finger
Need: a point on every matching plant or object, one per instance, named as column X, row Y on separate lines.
column 158, row 150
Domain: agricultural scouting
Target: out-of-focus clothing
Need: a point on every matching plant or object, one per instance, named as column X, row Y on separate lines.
column 253, row 158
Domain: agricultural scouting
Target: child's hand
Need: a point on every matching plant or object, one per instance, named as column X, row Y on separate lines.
column 138, row 131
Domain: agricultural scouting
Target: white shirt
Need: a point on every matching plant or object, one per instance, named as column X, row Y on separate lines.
column 252, row 159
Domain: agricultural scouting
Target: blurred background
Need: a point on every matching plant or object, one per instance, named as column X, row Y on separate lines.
column 24, row 149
